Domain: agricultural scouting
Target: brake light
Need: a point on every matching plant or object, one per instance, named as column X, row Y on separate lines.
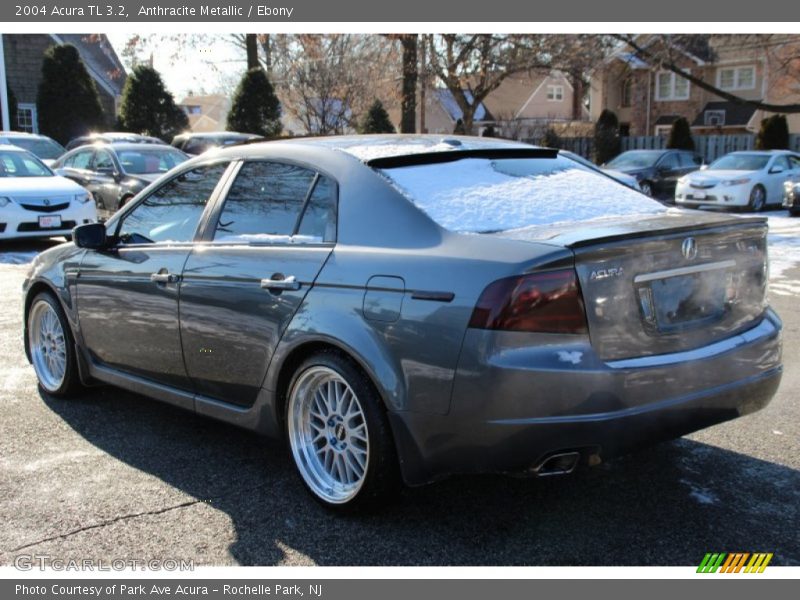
column 549, row 302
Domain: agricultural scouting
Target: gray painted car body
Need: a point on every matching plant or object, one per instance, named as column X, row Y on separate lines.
column 396, row 292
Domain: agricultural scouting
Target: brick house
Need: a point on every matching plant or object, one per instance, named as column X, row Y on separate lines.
column 207, row 112
column 647, row 99
column 23, row 58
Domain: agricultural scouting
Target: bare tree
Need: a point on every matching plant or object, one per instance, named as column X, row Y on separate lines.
column 472, row 66
column 666, row 51
column 332, row 79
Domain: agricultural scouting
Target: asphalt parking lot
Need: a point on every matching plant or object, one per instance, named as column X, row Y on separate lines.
column 112, row 475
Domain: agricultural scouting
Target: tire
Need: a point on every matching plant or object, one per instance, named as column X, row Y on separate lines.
column 647, row 188
column 794, row 212
column 338, row 434
column 758, row 199
column 123, row 201
column 52, row 347
column 68, row 237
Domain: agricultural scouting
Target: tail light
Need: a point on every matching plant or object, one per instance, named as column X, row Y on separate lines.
column 549, row 302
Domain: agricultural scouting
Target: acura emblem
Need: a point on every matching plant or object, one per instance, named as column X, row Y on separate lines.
column 46, row 202
column 689, row 248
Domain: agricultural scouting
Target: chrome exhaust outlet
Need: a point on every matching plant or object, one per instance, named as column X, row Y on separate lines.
column 562, row 463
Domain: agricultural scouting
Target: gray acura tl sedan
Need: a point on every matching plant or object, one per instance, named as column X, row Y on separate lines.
column 401, row 308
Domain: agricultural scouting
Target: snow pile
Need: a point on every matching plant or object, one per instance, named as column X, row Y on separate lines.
column 476, row 195
column 784, row 253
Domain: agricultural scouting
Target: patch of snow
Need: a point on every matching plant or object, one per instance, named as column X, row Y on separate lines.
column 784, row 253
column 570, row 357
column 477, row 195
column 700, row 494
column 17, row 258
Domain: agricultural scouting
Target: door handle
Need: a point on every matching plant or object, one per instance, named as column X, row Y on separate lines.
column 279, row 282
column 164, row 277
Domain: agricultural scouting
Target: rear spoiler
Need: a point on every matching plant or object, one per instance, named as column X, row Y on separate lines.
column 431, row 158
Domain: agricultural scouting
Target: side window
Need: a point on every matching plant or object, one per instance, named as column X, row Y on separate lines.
column 103, row 161
column 172, row 212
column 794, row 162
column 319, row 218
column 670, row 161
column 264, row 203
column 782, row 162
column 79, row 160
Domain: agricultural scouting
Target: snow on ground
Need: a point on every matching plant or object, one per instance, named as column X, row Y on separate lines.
column 784, row 253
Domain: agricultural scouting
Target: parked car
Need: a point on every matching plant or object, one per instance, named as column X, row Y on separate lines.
column 44, row 148
column 112, row 137
column 410, row 306
column 791, row 197
column 115, row 173
column 623, row 178
column 197, row 143
column 752, row 179
column 35, row 202
column 656, row 171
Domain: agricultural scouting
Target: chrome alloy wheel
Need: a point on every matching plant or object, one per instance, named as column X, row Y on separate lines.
column 328, row 434
column 48, row 345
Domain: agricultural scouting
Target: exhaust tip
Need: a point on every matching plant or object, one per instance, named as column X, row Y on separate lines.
column 562, row 463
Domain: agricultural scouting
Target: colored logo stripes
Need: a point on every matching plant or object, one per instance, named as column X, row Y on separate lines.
column 735, row 562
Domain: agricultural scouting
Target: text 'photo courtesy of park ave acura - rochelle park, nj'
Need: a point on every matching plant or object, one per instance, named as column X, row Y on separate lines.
column 399, row 299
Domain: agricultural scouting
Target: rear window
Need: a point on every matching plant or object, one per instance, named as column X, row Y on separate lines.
column 481, row 195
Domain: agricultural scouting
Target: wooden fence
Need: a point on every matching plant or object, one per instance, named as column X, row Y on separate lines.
column 710, row 147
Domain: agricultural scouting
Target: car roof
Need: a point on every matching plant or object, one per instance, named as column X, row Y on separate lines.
column 764, row 152
column 370, row 147
column 12, row 148
column 21, row 134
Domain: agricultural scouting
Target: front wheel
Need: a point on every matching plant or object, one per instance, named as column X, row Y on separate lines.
column 758, row 198
column 338, row 433
column 51, row 347
column 647, row 188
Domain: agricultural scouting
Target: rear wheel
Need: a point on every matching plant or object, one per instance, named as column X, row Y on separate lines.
column 338, row 433
column 51, row 347
column 758, row 198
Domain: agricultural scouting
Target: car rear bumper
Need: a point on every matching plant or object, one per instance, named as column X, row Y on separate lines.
column 511, row 410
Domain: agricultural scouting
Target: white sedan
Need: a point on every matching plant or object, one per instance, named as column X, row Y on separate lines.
column 751, row 179
column 35, row 202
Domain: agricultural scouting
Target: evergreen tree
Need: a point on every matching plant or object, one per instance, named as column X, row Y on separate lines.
column 680, row 136
column 376, row 120
column 606, row 137
column 551, row 138
column 255, row 107
column 147, row 106
column 774, row 133
column 489, row 132
column 67, row 104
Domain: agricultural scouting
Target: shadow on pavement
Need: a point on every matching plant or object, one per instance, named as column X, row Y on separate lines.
column 667, row 505
column 19, row 252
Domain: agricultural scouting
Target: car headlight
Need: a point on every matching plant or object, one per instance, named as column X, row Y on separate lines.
column 4, row 201
column 83, row 198
column 736, row 181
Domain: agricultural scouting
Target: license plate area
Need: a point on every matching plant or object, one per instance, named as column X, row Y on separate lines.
column 50, row 222
column 681, row 299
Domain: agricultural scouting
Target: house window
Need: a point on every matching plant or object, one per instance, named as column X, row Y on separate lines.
column 26, row 118
column 626, row 93
column 555, row 93
column 671, row 86
column 737, row 78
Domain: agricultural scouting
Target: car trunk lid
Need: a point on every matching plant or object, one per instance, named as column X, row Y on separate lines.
column 664, row 283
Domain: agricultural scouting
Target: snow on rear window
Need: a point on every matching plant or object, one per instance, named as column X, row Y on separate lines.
column 479, row 195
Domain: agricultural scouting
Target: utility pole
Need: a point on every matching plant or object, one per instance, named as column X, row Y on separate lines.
column 4, row 87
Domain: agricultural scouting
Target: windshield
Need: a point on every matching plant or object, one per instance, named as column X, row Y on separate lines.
column 150, row 161
column 41, row 147
column 482, row 195
column 741, row 162
column 634, row 159
column 22, row 164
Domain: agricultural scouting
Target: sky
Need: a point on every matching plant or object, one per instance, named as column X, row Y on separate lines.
column 210, row 64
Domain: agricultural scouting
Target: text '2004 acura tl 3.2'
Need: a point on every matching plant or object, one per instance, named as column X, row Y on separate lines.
column 403, row 308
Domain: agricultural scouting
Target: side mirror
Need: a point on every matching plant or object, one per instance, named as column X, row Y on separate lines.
column 775, row 170
column 91, row 236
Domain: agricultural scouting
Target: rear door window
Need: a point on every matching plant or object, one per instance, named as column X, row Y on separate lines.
column 278, row 203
